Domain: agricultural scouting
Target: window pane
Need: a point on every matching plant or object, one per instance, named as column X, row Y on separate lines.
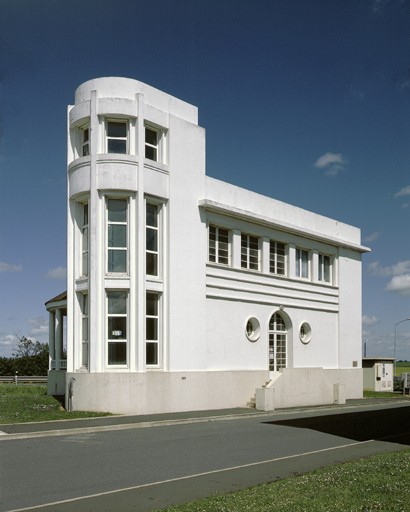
column 117, row 235
column 85, row 305
column 85, row 329
column 117, row 327
column 85, row 215
column 152, row 239
column 151, row 153
column 117, row 210
column 151, row 136
column 117, row 146
column 116, row 129
column 152, row 304
column 326, row 268
column 85, row 263
column 117, row 261
column 117, row 303
column 152, row 328
column 305, row 272
column 151, row 264
column 85, row 354
column 152, row 353
column 117, row 353
column 152, row 215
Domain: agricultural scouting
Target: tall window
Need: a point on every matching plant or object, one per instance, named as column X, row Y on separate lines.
column 249, row 252
column 276, row 258
column 324, row 270
column 219, row 245
column 302, row 263
column 84, row 242
column 117, row 235
column 152, row 239
column 117, row 327
column 151, row 144
column 86, row 141
column 84, row 330
column 117, row 136
column 152, row 329
column 277, row 343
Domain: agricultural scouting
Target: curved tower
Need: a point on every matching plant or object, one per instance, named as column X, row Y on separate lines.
column 122, row 164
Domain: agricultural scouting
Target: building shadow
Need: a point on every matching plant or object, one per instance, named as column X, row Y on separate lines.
column 391, row 425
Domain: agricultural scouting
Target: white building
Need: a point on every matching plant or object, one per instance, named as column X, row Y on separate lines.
column 185, row 292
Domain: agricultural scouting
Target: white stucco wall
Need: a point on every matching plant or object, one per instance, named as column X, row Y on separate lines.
column 205, row 306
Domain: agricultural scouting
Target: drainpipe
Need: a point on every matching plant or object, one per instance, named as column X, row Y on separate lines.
column 71, row 393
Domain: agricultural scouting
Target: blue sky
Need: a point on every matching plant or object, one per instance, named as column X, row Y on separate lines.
column 305, row 101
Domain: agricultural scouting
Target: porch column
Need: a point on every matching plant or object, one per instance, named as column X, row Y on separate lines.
column 52, row 340
column 58, row 337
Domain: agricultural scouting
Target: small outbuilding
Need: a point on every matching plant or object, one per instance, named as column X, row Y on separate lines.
column 378, row 373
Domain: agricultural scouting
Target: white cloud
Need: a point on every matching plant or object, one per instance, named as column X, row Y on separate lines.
column 402, row 267
column 39, row 327
column 405, row 191
column 369, row 320
column 372, row 237
column 399, row 284
column 59, row 273
column 333, row 163
column 7, row 344
column 8, row 267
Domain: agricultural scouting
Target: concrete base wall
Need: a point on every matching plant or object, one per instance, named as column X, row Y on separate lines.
column 151, row 393
column 56, row 383
column 310, row 386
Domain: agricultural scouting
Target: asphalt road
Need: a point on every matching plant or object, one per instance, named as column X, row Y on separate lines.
column 142, row 469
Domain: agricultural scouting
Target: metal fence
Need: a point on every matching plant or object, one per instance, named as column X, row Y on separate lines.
column 23, row 379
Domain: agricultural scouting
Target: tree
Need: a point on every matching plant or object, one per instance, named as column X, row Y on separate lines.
column 30, row 358
column 26, row 347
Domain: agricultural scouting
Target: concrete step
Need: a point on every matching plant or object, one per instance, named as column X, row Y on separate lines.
column 252, row 403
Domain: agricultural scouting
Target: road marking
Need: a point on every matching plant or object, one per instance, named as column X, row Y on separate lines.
column 188, row 477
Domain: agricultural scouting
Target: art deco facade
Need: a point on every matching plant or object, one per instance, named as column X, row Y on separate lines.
column 185, row 292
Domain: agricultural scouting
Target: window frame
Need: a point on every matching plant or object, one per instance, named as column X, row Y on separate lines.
column 325, row 265
column 246, row 253
column 300, row 263
column 218, row 250
column 274, row 263
column 120, row 340
column 158, row 230
column 117, row 138
column 110, row 248
column 85, row 240
column 157, row 342
column 85, row 339
column 277, row 343
column 85, row 140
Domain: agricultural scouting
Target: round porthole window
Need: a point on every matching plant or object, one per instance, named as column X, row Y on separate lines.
column 252, row 329
column 305, row 333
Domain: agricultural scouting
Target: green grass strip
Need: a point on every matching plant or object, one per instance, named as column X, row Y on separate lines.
column 381, row 483
column 28, row 403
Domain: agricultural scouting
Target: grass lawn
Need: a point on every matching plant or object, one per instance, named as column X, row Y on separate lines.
column 377, row 483
column 24, row 403
column 402, row 367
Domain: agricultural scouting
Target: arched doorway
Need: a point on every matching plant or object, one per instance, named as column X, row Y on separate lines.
column 277, row 342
